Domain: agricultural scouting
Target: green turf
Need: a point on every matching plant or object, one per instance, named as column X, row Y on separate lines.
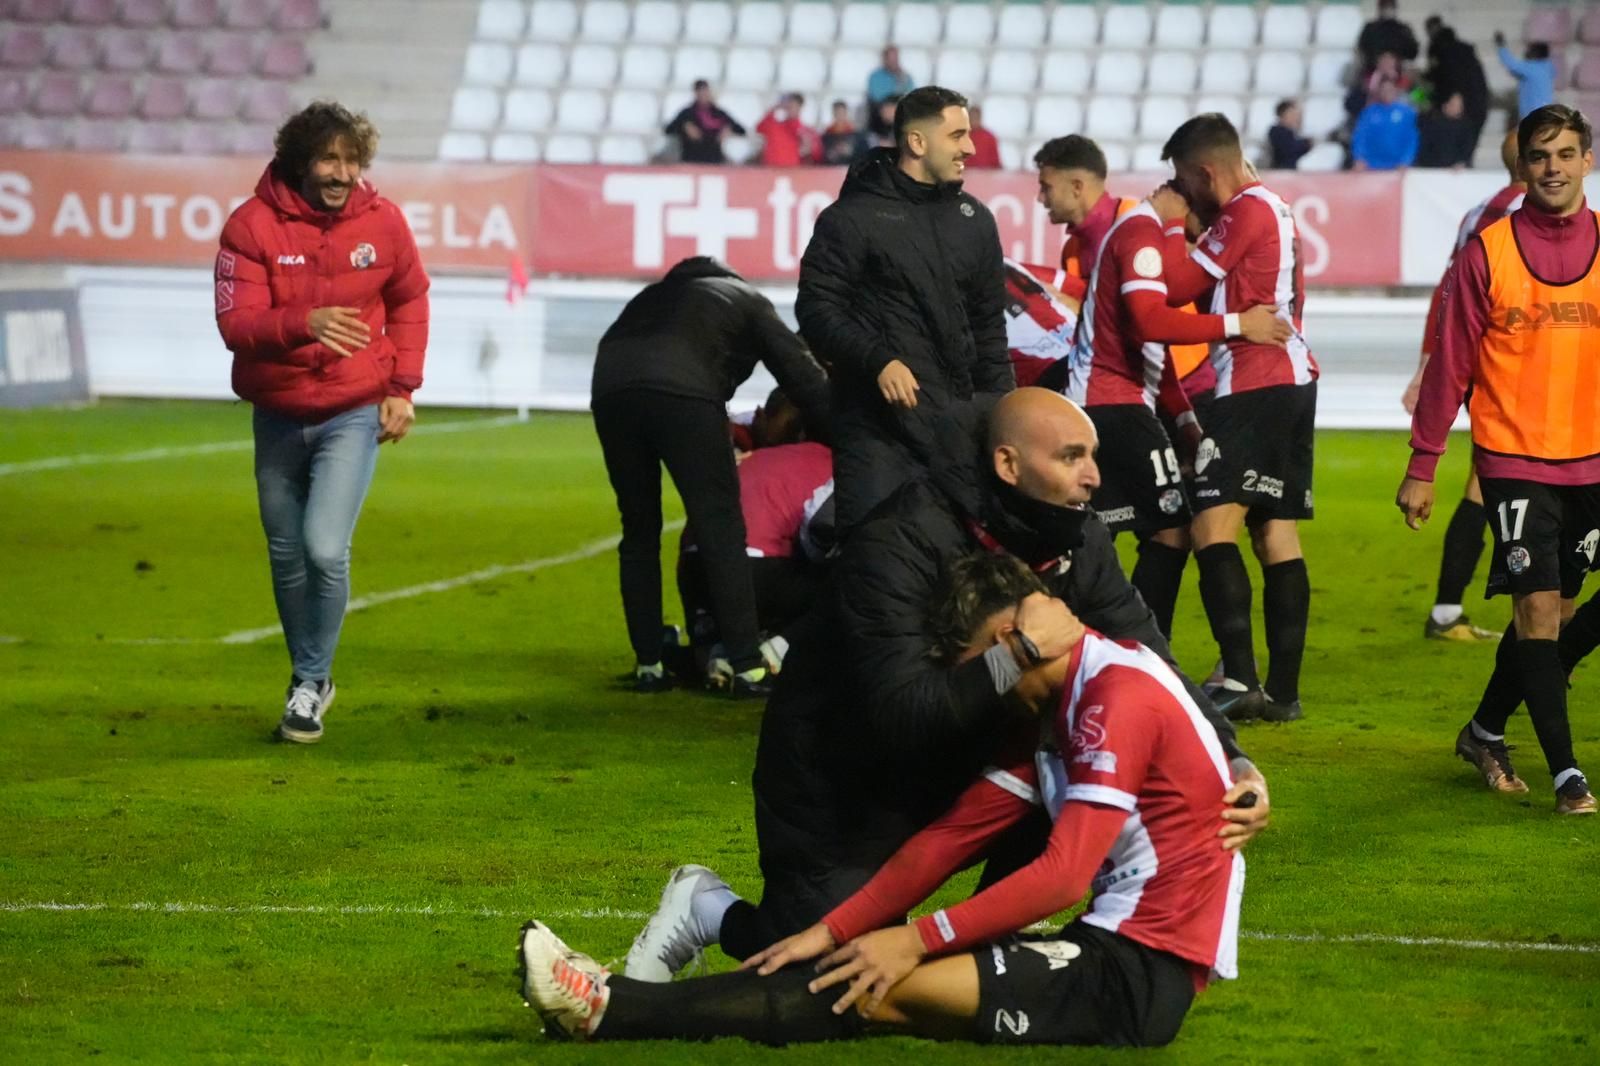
column 478, row 759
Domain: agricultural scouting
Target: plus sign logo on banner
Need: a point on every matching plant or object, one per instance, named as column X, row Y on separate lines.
column 679, row 205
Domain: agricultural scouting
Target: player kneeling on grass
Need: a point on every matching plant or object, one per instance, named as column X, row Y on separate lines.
column 1133, row 778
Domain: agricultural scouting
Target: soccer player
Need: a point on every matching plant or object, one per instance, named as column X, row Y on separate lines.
column 1463, row 537
column 323, row 301
column 1255, row 466
column 1131, row 777
column 1519, row 332
column 902, row 296
column 1040, row 322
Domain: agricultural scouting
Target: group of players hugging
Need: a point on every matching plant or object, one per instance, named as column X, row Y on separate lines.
column 967, row 676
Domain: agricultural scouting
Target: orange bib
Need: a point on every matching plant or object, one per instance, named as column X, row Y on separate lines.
column 1536, row 388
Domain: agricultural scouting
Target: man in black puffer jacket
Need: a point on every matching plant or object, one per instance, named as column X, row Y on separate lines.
column 902, row 296
column 868, row 738
column 665, row 370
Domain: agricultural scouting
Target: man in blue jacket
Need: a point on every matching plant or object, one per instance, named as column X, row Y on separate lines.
column 1535, row 74
column 1385, row 137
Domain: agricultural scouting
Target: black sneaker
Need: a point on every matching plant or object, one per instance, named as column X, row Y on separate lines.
column 751, row 685
column 653, row 678
column 304, row 705
column 1238, row 704
column 1273, row 711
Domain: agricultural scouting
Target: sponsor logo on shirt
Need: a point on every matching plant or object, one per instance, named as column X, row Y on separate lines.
column 292, row 260
column 1059, row 952
column 999, row 959
column 1267, row 486
column 1588, row 545
column 1116, row 514
column 1207, row 453
column 1558, row 314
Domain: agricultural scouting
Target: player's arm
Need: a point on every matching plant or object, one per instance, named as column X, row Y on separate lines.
column 985, row 305
column 1187, row 280
column 830, row 274
column 405, row 299
column 250, row 325
column 1447, row 375
column 783, row 353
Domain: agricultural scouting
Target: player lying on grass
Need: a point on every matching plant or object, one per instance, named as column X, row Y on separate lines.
column 1133, row 778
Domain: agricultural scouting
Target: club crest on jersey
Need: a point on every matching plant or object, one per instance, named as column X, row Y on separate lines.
column 1588, row 544
column 1207, row 453
column 1171, row 501
column 1016, row 1024
column 966, row 209
column 1059, row 952
column 1147, row 263
column 363, row 255
column 1517, row 559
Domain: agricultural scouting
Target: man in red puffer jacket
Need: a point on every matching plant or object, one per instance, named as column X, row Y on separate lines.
column 322, row 298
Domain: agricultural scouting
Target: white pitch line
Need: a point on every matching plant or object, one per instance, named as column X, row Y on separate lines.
column 446, row 911
column 60, row 462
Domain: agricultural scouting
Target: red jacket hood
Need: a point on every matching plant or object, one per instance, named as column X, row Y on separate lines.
column 288, row 202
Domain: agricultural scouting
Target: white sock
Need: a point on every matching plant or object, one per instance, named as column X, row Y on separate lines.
column 779, row 646
column 653, row 670
column 1445, row 614
column 708, row 908
column 1482, row 733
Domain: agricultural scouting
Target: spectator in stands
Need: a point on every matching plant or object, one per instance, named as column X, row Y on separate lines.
column 987, row 156
column 1386, row 33
column 328, row 352
column 1535, row 74
column 786, row 140
column 1285, row 146
column 1454, row 69
column 1445, row 136
column 1385, row 137
column 888, row 82
column 842, row 143
column 702, row 126
column 882, row 123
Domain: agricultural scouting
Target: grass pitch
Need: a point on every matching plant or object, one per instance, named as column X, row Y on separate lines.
column 249, row 901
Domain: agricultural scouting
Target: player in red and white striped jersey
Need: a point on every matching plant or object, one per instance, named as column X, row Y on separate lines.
column 1040, row 321
column 1255, row 465
column 1463, row 537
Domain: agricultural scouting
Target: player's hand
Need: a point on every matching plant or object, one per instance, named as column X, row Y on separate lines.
column 395, row 418
column 873, row 964
column 1049, row 623
column 1169, row 204
column 340, row 329
column 804, row 945
column 898, row 384
column 1261, row 325
column 1408, row 399
column 1415, row 500
column 1190, row 434
column 1241, row 824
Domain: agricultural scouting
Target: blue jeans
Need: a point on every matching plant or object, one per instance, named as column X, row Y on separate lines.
column 311, row 481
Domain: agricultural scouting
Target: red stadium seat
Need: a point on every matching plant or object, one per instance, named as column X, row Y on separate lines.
column 247, row 15
column 231, row 55
column 13, row 93
column 1589, row 27
column 214, row 100
column 92, row 12
column 1587, row 76
column 252, row 140
column 285, row 58
column 73, row 49
column 103, row 136
column 127, row 50
column 57, row 95
column 37, row 135
column 39, row 10
column 1551, row 24
column 111, row 96
column 181, row 53
column 165, row 100
column 196, row 14
column 154, row 138
column 298, row 15
column 203, row 139
column 267, row 102
column 147, row 13
column 24, row 48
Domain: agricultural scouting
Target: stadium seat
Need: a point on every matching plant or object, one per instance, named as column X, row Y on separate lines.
column 146, row 14
column 634, row 111
column 1109, row 116
column 1222, row 104
column 1126, row 26
column 156, row 138
column 916, row 23
column 1006, row 116
column 1338, row 26
column 111, row 96
column 1261, row 117
column 800, row 70
column 759, row 22
column 1231, row 26
column 1180, row 26
column 203, row 139
column 1160, row 115
column 1013, row 72
column 645, row 67
column 604, row 20
column 552, row 20
column 120, row 50
column 1012, row 157
column 253, row 15
column 460, row 147
column 748, row 68
column 196, row 14
column 623, row 150
column 657, row 22
column 961, row 69
column 13, row 94
column 217, row 101
column 1065, row 72
column 864, row 23
column 474, row 108
column 38, row 10
column 1280, row 72
column 40, row 135
column 851, row 68
column 813, row 23
column 969, row 25
column 1326, row 73
column 72, row 49
column 1223, row 71
column 592, row 66
column 297, row 15
column 1323, row 158
column 252, row 140
column 1118, row 157
column 1147, row 156
column 92, row 12
column 180, row 53
column 1173, row 72
column 267, row 102
column 693, row 62
column 24, row 48
column 488, row 63
column 545, row 64
column 56, row 95
column 1321, row 115
column 231, row 55
column 1119, row 73
column 514, row 148
column 1286, row 26
column 740, row 150
column 1548, row 23
column 1057, row 116
column 98, row 136
column 286, row 58
column 919, row 61
column 581, row 110
column 1589, row 27
column 708, row 22
column 1021, row 25
column 528, row 110
column 568, row 148
column 1072, row 26
column 1586, row 76
column 498, row 20
column 746, row 108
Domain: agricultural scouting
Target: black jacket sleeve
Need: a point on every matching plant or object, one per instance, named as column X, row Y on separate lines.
column 986, row 316
column 675, row 127
column 1104, row 600
column 732, row 122
column 786, row 356
column 830, row 275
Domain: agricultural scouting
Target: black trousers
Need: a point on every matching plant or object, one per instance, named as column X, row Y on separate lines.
column 639, row 430
column 785, row 588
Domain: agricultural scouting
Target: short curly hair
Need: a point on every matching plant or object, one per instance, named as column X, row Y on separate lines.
column 311, row 130
column 975, row 588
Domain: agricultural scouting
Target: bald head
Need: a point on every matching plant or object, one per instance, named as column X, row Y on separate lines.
column 1043, row 445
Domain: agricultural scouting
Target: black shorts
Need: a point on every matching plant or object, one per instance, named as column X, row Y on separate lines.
column 1140, row 487
column 1081, row 985
column 1545, row 536
column 1258, row 452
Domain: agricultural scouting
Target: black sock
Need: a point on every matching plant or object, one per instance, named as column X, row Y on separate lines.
column 1225, row 591
column 1544, row 686
column 1503, row 694
column 1581, row 634
column 1463, row 546
column 1158, row 575
column 769, row 1010
column 1285, row 609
